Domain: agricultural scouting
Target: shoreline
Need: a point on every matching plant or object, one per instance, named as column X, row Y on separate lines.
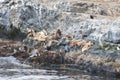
column 86, row 62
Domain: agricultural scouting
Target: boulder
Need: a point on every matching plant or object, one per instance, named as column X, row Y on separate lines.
column 113, row 34
column 25, row 14
column 87, row 20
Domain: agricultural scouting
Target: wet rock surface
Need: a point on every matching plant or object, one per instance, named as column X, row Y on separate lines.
column 50, row 50
column 14, row 70
column 87, row 39
column 11, row 68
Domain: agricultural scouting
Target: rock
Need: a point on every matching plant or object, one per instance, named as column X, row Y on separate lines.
column 93, row 20
column 30, row 42
column 113, row 33
column 11, row 62
column 95, row 61
column 81, row 7
column 25, row 14
column 34, row 53
column 4, row 16
column 56, row 41
column 7, row 48
column 21, row 52
column 67, row 48
column 47, row 57
column 72, row 17
column 69, row 36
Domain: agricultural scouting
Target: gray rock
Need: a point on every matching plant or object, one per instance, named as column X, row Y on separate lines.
column 4, row 16
column 81, row 7
column 25, row 14
column 67, row 48
column 11, row 62
column 114, row 32
column 72, row 17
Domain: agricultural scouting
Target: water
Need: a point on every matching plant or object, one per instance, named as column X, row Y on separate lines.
column 29, row 74
column 12, row 69
column 40, row 74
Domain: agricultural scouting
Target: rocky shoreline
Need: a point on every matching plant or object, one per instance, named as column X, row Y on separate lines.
column 82, row 35
column 80, row 54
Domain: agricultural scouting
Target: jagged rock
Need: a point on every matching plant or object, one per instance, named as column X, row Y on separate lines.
column 46, row 57
column 25, row 14
column 7, row 47
column 11, row 62
column 113, row 34
column 89, row 20
column 82, row 7
column 95, row 61
column 32, row 14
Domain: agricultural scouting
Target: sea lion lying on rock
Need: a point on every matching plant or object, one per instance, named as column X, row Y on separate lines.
column 38, row 36
column 84, row 45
